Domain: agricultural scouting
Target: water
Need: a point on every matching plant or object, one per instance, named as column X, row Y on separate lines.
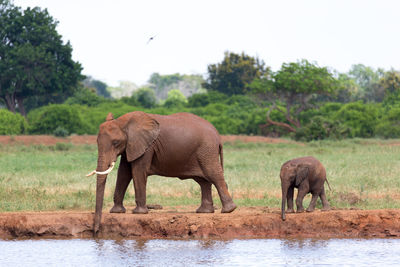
column 251, row 252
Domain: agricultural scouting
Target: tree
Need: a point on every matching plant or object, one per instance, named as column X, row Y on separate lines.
column 85, row 96
column 101, row 87
column 146, row 97
column 235, row 73
column 187, row 84
column 175, row 99
column 125, row 89
column 35, row 64
column 367, row 79
column 292, row 89
column 389, row 85
column 143, row 97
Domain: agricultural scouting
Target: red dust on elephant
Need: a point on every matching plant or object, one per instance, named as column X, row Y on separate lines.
column 308, row 175
column 180, row 145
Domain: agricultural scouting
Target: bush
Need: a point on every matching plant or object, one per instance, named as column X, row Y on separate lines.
column 11, row 123
column 225, row 124
column 145, row 97
column 85, row 97
column 60, row 132
column 198, row 100
column 47, row 119
column 389, row 127
column 360, row 118
column 63, row 146
column 175, row 99
column 204, row 99
column 321, row 128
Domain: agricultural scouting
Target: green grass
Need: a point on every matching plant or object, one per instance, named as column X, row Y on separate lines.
column 363, row 173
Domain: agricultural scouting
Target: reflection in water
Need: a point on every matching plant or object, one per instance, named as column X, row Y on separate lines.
column 254, row 252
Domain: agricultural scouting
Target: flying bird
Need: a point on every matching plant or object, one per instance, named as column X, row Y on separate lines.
column 151, row 39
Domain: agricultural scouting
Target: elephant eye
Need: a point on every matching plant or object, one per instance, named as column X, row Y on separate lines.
column 115, row 143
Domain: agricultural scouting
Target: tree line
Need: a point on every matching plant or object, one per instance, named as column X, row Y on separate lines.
column 239, row 95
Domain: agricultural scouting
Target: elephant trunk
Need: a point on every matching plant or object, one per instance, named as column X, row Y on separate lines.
column 100, row 186
column 284, row 195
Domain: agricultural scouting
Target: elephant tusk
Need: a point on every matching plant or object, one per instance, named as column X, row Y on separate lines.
column 91, row 173
column 108, row 170
column 104, row 172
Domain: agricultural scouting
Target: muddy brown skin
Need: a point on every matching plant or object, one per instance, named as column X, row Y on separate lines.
column 308, row 175
column 180, row 145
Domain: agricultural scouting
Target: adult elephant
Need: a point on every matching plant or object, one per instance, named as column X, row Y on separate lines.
column 180, row 145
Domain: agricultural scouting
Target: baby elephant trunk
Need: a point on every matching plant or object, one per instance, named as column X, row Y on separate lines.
column 283, row 207
column 284, row 195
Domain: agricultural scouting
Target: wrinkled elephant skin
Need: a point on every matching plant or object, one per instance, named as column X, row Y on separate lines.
column 308, row 175
column 180, row 145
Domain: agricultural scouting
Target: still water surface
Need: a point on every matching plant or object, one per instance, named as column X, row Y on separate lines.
column 251, row 252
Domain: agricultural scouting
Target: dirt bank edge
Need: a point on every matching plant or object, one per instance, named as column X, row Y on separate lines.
column 254, row 222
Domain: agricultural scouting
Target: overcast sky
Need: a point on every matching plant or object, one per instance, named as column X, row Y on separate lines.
column 109, row 38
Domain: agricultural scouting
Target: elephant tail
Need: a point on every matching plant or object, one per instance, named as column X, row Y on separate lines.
column 221, row 155
column 326, row 179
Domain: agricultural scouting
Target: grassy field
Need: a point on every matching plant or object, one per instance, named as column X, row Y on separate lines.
column 362, row 173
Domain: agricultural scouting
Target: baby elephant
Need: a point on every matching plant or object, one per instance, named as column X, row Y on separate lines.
column 308, row 175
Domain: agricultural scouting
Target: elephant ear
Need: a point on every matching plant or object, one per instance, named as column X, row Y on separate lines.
column 142, row 131
column 110, row 117
column 302, row 173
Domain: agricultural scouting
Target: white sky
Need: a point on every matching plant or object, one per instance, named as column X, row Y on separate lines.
column 109, row 37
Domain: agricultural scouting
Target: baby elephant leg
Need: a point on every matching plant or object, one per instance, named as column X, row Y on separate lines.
column 299, row 200
column 313, row 202
column 290, row 200
column 325, row 203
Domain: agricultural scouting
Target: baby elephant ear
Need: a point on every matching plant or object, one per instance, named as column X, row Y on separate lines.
column 142, row 130
column 302, row 173
column 110, row 117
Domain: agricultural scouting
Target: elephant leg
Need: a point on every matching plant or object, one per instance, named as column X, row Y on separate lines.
column 290, row 200
column 226, row 200
column 124, row 177
column 139, row 183
column 301, row 193
column 313, row 202
column 207, row 205
column 217, row 178
column 325, row 203
column 213, row 172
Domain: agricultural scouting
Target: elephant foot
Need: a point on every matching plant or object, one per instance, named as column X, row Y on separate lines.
column 290, row 211
column 310, row 210
column 118, row 209
column 205, row 209
column 140, row 210
column 300, row 210
column 325, row 208
column 227, row 208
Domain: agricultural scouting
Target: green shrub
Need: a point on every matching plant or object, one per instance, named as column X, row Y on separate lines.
column 63, row 146
column 389, row 126
column 60, row 132
column 328, row 110
column 47, row 119
column 85, row 97
column 198, row 100
column 320, row 128
column 360, row 118
column 175, row 99
column 224, row 124
column 145, row 97
column 11, row 123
